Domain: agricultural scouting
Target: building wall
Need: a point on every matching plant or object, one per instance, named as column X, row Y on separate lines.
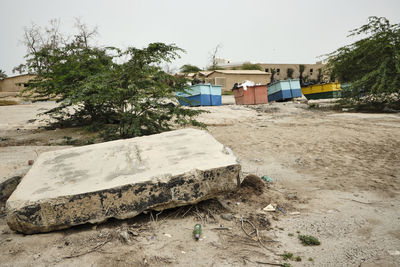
column 311, row 70
column 11, row 84
column 228, row 80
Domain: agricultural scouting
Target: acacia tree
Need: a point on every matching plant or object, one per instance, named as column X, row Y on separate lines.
column 123, row 93
column 187, row 68
column 370, row 65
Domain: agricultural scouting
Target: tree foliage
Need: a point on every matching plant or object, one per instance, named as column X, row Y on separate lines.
column 187, row 68
column 273, row 72
column 370, row 65
column 302, row 68
column 125, row 93
column 250, row 66
column 3, row 74
column 289, row 73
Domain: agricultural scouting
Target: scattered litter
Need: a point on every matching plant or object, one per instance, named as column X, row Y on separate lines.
column 237, row 203
column 246, row 83
column 267, row 179
column 269, row 208
column 124, row 236
column 221, row 228
column 197, row 231
column 168, row 235
column 280, row 209
column 394, row 253
column 37, row 256
column 183, row 252
column 295, row 213
column 227, row 216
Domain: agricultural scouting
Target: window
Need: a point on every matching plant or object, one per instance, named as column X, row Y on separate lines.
column 311, row 71
column 278, row 71
column 266, row 70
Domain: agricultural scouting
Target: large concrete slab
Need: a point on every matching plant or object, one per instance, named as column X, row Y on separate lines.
column 121, row 179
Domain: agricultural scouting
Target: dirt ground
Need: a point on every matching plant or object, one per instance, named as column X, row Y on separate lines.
column 335, row 176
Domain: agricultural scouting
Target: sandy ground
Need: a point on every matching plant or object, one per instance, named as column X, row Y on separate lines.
column 335, row 176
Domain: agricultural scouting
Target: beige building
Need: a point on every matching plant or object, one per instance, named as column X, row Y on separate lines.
column 15, row 84
column 311, row 71
column 227, row 78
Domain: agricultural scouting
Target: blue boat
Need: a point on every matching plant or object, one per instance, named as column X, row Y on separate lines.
column 286, row 89
column 200, row 95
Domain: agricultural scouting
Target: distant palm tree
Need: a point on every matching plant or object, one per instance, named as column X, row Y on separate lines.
column 2, row 74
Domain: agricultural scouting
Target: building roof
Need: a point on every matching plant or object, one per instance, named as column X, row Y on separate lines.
column 20, row 75
column 205, row 73
column 241, row 72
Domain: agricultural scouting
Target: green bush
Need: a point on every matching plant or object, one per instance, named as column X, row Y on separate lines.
column 309, row 240
column 121, row 93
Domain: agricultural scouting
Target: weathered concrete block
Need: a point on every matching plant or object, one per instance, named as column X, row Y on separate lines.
column 121, row 179
column 10, row 182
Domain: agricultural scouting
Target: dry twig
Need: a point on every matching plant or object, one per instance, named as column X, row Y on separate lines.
column 94, row 249
column 183, row 216
column 255, row 230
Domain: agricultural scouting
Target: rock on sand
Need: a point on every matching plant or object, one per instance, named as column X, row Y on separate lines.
column 121, row 179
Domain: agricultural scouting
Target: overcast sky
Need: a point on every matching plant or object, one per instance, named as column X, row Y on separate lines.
column 279, row 31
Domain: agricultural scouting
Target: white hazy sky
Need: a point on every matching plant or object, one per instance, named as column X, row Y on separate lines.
column 279, row 31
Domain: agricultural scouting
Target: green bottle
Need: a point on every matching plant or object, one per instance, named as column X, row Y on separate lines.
column 197, row 231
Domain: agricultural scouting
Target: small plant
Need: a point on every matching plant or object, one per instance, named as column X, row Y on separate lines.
column 308, row 240
column 69, row 141
column 286, row 264
column 310, row 259
column 298, row 258
column 290, row 234
column 313, row 105
column 298, row 232
column 287, row 256
column 90, row 141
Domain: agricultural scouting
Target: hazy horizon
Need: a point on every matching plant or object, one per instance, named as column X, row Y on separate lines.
column 257, row 31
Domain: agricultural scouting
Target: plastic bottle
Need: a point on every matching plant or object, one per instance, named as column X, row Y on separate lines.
column 197, row 231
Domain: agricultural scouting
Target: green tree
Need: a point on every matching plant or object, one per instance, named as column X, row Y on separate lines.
column 250, row 66
column 302, row 68
column 187, row 68
column 370, row 65
column 123, row 93
column 320, row 75
column 273, row 71
column 3, row 74
column 289, row 73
